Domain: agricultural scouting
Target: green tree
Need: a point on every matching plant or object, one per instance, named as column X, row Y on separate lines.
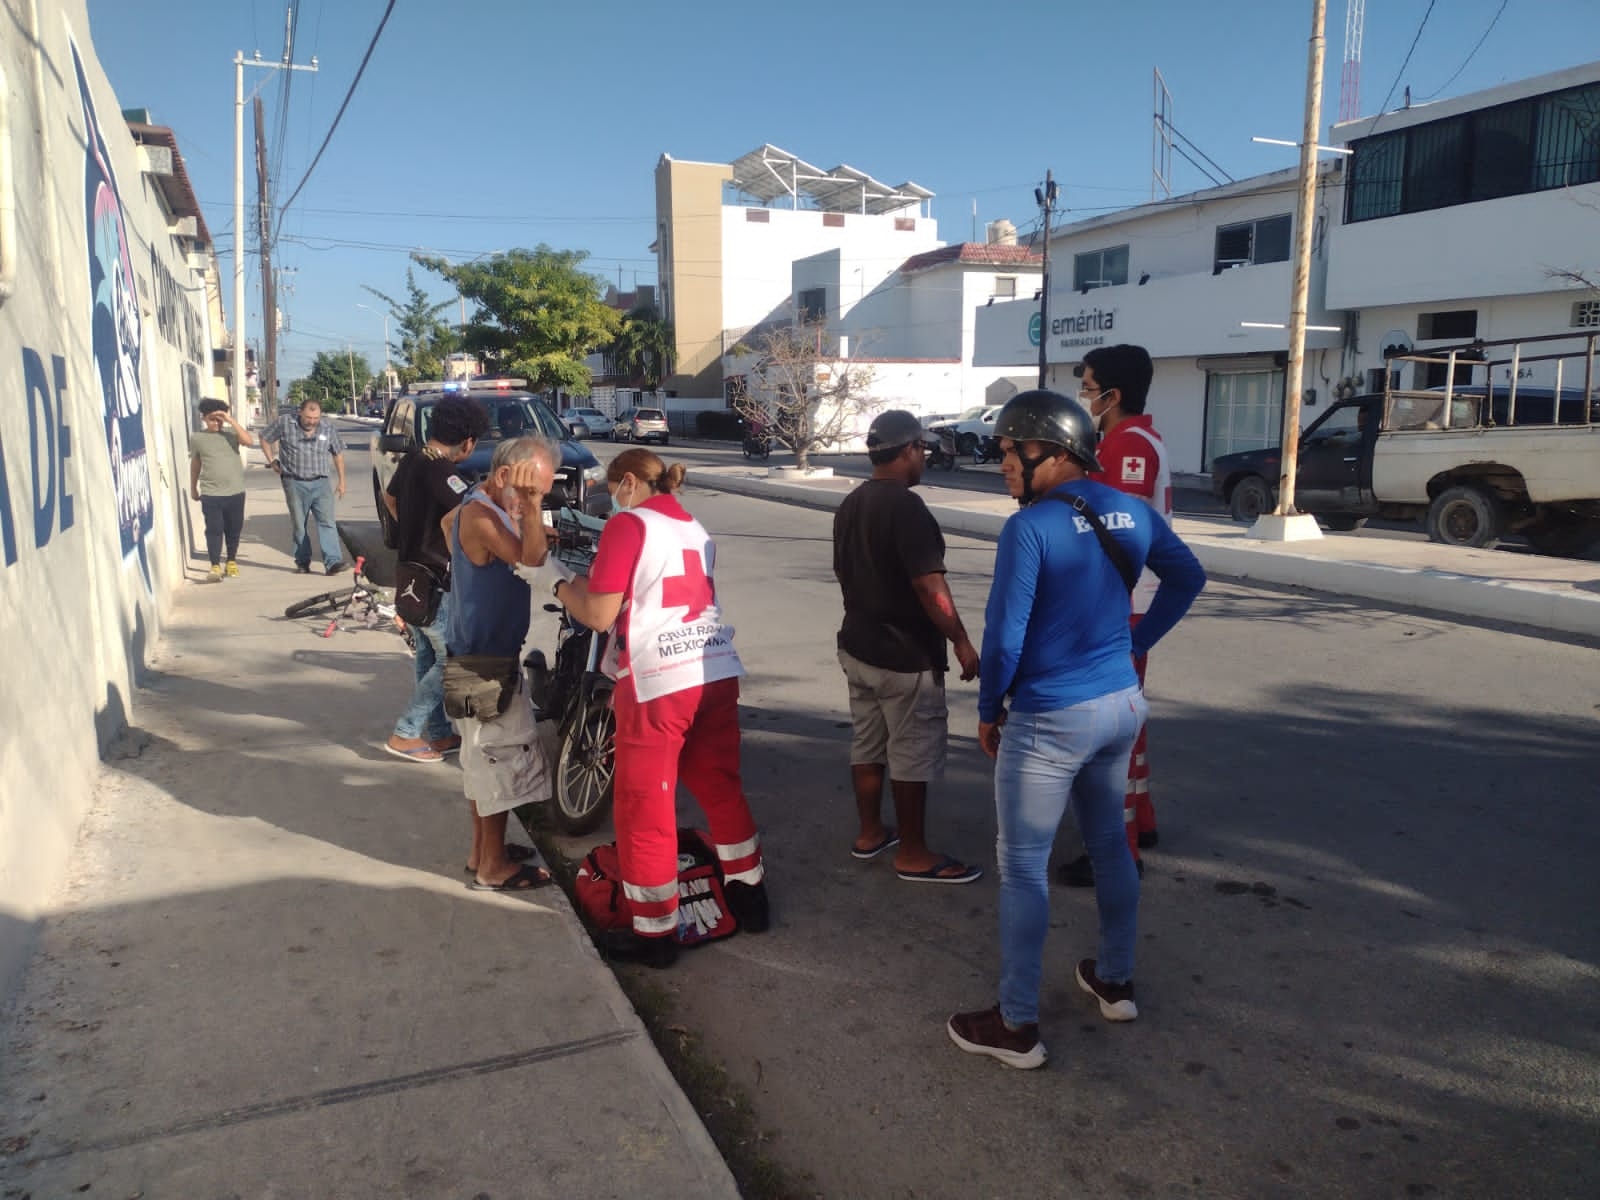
column 423, row 338
column 643, row 349
column 537, row 314
column 329, row 382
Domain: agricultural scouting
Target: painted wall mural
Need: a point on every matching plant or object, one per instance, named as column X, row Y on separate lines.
column 118, row 335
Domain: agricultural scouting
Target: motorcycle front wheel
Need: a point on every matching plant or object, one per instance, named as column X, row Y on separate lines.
column 586, row 767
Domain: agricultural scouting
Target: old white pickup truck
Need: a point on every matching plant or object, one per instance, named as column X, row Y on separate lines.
column 1507, row 441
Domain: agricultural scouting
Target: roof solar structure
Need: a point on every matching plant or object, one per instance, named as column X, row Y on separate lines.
column 768, row 174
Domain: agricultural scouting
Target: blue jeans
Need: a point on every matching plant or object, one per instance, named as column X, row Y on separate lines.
column 1082, row 753
column 313, row 496
column 425, row 717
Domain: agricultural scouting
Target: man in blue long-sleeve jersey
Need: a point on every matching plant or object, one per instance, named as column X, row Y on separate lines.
column 1057, row 646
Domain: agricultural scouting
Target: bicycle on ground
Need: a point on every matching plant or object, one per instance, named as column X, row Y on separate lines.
column 362, row 605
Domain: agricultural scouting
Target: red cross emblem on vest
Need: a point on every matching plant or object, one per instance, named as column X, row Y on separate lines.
column 692, row 590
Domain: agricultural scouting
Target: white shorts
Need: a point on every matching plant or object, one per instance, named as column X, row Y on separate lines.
column 508, row 761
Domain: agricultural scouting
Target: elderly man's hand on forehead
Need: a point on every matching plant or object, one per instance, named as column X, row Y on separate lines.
column 530, row 477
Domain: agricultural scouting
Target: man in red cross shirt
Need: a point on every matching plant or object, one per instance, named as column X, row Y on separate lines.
column 1115, row 389
column 676, row 702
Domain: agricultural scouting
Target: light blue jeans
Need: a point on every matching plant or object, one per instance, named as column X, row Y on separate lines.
column 425, row 717
column 313, row 496
column 1046, row 758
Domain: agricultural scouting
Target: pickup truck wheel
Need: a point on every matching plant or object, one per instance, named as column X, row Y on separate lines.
column 1341, row 522
column 1464, row 516
column 1250, row 499
column 385, row 521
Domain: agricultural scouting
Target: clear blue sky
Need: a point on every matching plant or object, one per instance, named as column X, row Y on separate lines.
column 486, row 124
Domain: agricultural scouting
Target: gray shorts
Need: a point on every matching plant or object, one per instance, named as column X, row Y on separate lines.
column 900, row 720
column 507, row 761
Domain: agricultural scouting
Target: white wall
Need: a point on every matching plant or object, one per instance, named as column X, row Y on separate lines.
column 95, row 526
column 1172, row 317
column 1504, row 247
column 1499, row 318
column 758, row 256
column 1176, row 239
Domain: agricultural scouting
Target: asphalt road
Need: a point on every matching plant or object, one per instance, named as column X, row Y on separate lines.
column 1369, row 962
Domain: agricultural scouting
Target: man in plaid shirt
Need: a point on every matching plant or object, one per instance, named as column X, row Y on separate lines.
column 305, row 450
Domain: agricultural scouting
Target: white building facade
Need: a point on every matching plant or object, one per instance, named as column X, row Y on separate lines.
column 914, row 329
column 1462, row 219
column 1186, row 279
column 1472, row 218
column 728, row 236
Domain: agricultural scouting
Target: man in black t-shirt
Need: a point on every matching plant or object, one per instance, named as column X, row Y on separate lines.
column 888, row 556
column 424, row 488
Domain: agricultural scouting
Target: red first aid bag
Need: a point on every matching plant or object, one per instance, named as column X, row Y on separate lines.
column 703, row 914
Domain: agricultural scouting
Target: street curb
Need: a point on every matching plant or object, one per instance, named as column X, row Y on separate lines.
column 1445, row 593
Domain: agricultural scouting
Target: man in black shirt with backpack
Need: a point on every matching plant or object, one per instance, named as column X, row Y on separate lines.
column 888, row 556
column 424, row 488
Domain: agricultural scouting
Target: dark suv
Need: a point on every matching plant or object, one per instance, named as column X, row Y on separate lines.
column 580, row 480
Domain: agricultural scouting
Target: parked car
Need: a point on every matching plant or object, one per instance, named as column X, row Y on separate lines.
column 969, row 429
column 640, row 425
column 587, row 422
column 580, row 481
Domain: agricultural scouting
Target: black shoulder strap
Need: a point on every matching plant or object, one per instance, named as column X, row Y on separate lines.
column 1113, row 548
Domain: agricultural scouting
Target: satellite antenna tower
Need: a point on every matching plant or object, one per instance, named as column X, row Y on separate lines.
column 1355, row 20
column 1161, row 142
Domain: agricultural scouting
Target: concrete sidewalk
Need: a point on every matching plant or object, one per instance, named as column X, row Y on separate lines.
column 1559, row 595
column 267, row 977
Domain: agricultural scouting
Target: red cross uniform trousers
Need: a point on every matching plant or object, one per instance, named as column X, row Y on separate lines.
column 1135, row 461
column 677, row 706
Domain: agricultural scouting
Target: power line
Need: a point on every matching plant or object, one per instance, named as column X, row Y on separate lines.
column 1398, row 75
column 365, row 59
column 1493, row 21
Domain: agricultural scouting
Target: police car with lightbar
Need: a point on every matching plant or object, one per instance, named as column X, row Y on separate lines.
column 513, row 412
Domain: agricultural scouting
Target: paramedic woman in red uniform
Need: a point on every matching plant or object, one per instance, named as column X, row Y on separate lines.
column 676, row 699
column 1115, row 388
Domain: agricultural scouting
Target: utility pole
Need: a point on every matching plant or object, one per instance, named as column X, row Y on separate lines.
column 239, row 64
column 350, row 351
column 1286, row 522
column 269, row 293
column 1046, row 196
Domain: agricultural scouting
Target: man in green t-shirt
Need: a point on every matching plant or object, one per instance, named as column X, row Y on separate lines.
column 216, row 480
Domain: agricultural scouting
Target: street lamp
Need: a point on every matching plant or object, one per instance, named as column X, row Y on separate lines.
column 388, row 391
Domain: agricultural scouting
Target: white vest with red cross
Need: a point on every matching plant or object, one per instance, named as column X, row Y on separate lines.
column 672, row 628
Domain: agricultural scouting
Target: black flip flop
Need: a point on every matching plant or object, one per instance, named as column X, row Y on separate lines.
column 934, row 874
column 514, row 852
column 890, row 840
column 525, row 880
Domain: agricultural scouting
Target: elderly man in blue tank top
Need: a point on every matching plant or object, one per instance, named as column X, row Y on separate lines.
column 1057, row 646
column 497, row 527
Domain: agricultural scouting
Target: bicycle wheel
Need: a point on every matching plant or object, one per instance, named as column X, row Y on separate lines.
column 318, row 603
column 586, row 768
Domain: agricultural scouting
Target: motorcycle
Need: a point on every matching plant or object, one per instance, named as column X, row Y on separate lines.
column 755, row 445
column 986, row 451
column 576, row 694
column 941, row 446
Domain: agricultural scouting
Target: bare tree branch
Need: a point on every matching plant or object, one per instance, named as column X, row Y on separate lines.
column 800, row 397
